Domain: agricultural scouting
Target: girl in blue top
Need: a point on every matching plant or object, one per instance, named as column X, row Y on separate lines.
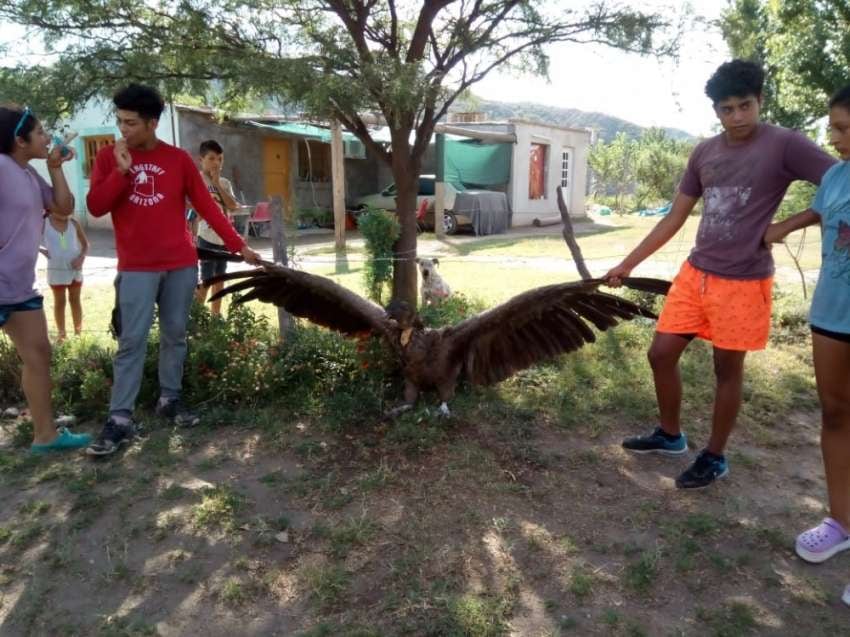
column 830, row 321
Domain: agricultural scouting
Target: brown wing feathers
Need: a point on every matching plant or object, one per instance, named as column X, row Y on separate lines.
column 537, row 326
column 531, row 327
column 315, row 298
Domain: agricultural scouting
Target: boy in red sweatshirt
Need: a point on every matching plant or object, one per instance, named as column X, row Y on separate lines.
column 144, row 183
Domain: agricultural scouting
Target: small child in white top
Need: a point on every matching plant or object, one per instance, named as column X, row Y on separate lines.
column 65, row 246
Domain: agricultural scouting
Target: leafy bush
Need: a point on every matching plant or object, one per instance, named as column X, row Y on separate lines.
column 451, row 310
column 10, row 373
column 380, row 230
column 228, row 359
column 231, row 362
column 332, row 376
column 799, row 196
column 82, row 376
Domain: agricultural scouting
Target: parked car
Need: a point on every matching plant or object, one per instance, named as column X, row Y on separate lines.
column 452, row 221
column 487, row 210
column 386, row 200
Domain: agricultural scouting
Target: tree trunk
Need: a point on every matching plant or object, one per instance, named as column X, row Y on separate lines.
column 404, row 269
column 406, row 175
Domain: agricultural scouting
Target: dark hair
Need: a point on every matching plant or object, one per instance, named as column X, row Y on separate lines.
column 144, row 100
column 211, row 146
column 10, row 117
column 738, row 78
column 841, row 98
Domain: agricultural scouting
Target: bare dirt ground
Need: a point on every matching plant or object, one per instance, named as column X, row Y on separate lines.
column 478, row 527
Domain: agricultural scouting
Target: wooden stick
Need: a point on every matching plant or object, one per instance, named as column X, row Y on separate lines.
column 570, row 237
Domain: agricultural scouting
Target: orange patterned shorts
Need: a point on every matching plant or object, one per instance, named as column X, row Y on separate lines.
column 732, row 314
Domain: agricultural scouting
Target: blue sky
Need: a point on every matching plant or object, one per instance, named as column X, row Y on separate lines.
column 645, row 91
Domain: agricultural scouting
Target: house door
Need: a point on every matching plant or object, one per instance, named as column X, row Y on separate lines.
column 276, row 172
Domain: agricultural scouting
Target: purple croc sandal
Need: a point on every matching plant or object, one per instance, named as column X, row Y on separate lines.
column 822, row 542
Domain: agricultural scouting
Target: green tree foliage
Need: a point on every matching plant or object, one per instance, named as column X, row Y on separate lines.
column 804, row 46
column 649, row 167
column 613, row 166
column 380, row 230
column 659, row 166
column 407, row 61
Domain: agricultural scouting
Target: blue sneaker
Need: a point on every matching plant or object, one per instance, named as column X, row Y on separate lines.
column 707, row 468
column 65, row 441
column 657, row 442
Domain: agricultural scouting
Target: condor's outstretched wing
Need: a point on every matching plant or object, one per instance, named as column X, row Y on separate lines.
column 538, row 325
column 309, row 296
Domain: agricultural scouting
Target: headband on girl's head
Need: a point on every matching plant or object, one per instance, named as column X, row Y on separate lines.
column 21, row 121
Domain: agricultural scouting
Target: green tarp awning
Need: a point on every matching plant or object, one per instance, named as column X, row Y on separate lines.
column 477, row 164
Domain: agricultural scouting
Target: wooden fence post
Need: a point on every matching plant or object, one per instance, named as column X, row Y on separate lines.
column 338, row 184
column 440, row 186
column 279, row 256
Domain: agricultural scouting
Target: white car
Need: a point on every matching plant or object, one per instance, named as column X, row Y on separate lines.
column 386, row 201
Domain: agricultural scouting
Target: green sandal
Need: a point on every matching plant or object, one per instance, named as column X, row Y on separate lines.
column 65, row 441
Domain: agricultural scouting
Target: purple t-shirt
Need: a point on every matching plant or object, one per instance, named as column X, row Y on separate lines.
column 23, row 197
column 741, row 187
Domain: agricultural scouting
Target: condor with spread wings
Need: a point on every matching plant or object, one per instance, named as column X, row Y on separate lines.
column 531, row 327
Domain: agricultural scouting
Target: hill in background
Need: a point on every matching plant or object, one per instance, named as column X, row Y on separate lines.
column 606, row 125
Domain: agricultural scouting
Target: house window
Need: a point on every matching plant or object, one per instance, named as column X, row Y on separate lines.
column 91, row 145
column 314, row 161
column 566, row 160
column 537, row 171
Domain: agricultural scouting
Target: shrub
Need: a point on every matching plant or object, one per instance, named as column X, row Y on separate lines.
column 82, row 376
column 232, row 361
column 10, row 373
column 318, row 369
column 380, row 230
column 228, row 359
column 451, row 310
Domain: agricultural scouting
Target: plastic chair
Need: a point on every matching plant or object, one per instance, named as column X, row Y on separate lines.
column 262, row 214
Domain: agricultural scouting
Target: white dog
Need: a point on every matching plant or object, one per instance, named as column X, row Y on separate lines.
column 434, row 288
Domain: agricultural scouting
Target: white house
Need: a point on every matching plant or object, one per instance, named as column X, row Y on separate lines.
column 543, row 157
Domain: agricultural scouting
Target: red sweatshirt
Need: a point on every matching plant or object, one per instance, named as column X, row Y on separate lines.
column 148, row 207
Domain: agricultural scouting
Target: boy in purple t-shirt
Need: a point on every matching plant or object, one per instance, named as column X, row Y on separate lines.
column 723, row 291
column 23, row 198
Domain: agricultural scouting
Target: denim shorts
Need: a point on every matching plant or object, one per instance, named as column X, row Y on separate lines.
column 836, row 336
column 35, row 303
column 211, row 268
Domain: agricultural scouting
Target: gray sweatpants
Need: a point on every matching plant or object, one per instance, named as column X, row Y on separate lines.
column 136, row 294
